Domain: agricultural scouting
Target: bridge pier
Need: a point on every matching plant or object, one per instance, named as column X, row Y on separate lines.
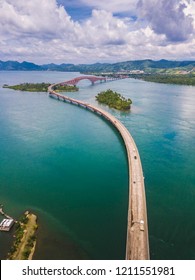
column 82, row 105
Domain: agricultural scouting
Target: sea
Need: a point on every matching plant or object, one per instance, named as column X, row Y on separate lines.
column 69, row 167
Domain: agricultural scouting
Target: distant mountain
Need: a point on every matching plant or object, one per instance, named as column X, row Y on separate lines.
column 97, row 67
column 146, row 65
column 15, row 65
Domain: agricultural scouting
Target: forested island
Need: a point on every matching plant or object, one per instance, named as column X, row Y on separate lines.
column 24, row 238
column 41, row 87
column 114, row 100
column 38, row 87
column 61, row 88
column 188, row 80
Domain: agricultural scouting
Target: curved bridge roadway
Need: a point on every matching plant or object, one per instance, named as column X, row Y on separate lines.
column 137, row 244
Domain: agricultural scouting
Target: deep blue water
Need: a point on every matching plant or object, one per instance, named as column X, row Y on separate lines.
column 69, row 166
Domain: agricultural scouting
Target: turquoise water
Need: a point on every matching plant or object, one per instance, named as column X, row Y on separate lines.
column 69, row 167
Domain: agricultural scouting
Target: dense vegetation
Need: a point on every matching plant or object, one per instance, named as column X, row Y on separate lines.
column 168, row 79
column 24, row 238
column 61, row 88
column 41, row 87
column 114, row 100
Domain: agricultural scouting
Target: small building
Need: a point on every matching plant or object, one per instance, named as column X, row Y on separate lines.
column 6, row 224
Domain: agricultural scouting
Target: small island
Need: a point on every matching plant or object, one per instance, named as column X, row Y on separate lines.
column 64, row 87
column 38, row 87
column 41, row 87
column 114, row 100
column 24, row 238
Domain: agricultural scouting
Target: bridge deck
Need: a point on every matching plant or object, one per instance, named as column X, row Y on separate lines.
column 137, row 244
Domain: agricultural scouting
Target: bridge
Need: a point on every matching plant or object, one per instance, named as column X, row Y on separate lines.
column 137, row 244
column 92, row 79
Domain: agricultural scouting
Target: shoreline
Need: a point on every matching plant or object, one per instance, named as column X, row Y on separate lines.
column 24, row 243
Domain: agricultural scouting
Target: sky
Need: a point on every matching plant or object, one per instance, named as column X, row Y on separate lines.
column 90, row 31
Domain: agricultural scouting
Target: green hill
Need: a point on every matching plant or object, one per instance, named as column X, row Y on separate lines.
column 147, row 65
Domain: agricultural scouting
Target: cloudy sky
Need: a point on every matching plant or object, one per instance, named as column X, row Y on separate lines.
column 88, row 31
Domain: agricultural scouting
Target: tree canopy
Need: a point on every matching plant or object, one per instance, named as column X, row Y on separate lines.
column 114, row 100
column 41, row 87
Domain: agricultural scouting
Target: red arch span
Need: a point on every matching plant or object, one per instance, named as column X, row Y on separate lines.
column 93, row 79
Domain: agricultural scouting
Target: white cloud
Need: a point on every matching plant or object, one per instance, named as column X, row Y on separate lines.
column 33, row 18
column 168, row 18
column 42, row 32
column 114, row 6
